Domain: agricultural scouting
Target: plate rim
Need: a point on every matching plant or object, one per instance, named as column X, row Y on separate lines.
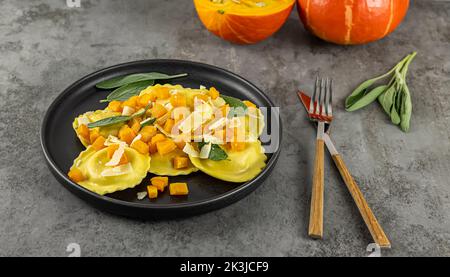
column 150, row 206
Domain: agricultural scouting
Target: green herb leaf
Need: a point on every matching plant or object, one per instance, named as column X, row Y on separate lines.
column 406, row 110
column 238, row 108
column 133, row 78
column 362, row 89
column 125, row 92
column 394, row 97
column 109, row 121
column 216, row 153
column 148, row 121
column 367, row 98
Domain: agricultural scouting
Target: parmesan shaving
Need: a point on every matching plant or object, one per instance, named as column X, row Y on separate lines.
column 141, row 195
column 204, row 152
column 127, row 110
column 212, row 139
column 117, row 170
column 115, row 159
column 114, row 140
column 83, row 120
column 218, row 102
column 138, row 137
column 189, row 149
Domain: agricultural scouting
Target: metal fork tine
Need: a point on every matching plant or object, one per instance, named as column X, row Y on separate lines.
column 319, row 98
column 330, row 102
column 325, row 98
column 313, row 98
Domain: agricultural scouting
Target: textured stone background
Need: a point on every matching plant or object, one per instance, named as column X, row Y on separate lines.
column 45, row 46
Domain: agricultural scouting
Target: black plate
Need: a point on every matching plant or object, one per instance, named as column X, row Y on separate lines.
column 61, row 146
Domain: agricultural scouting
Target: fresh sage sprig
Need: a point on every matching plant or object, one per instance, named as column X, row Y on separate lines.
column 131, row 85
column 118, row 118
column 394, row 96
column 133, row 78
column 238, row 108
column 148, row 121
column 216, row 153
column 109, row 121
column 125, row 92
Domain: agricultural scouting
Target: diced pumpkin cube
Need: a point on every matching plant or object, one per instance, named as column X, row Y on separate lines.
column 76, row 175
column 140, row 146
column 213, row 93
column 111, row 149
column 131, row 102
column 157, row 138
column 161, row 92
column 249, row 104
column 152, row 192
column 144, row 99
column 110, row 152
column 178, row 189
column 93, row 135
column 158, row 110
column 160, row 182
column 126, row 134
column 178, row 100
column 165, row 146
column 135, row 124
column 115, row 106
column 180, row 162
column 152, row 144
column 152, row 148
column 169, row 125
column 99, row 143
column 147, row 132
column 83, row 131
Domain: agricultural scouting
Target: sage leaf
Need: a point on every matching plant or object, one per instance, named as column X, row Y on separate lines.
column 216, row 153
column 394, row 97
column 386, row 99
column 367, row 98
column 133, row 78
column 125, row 92
column 362, row 89
column 406, row 110
column 109, row 121
column 237, row 107
column 148, row 121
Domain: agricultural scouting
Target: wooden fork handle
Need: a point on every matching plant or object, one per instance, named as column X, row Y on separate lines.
column 316, row 212
column 369, row 218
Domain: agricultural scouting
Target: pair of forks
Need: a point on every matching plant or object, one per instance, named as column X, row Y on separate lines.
column 319, row 109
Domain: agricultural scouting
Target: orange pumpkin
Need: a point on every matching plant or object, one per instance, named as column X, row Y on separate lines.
column 352, row 21
column 243, row 21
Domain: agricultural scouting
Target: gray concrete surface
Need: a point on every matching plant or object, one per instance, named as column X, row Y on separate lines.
column 45, row 46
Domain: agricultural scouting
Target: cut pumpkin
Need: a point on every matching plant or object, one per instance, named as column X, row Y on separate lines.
column 243, row 21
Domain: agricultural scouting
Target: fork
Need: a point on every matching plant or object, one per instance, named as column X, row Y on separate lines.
column 320, row 110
